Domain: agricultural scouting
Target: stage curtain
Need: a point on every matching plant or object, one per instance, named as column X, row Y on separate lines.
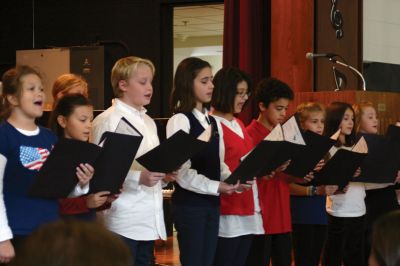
column 269, row 38
column 247, row 43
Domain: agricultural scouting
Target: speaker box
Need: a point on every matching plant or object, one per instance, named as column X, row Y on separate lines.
column 87, row 61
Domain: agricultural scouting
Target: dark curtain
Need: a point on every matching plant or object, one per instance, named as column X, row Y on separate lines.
column 247, row 27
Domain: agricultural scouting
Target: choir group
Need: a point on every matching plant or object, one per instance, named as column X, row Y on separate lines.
column 277, row 218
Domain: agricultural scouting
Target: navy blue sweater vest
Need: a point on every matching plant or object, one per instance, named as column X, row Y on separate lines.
column 206, row 162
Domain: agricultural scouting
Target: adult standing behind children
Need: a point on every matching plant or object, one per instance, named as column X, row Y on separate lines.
column 137, row 215
column 273, row 97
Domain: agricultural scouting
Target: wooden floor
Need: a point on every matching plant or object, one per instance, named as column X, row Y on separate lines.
column 167, row 252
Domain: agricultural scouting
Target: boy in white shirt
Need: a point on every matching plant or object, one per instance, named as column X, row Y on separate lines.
column 137, row 214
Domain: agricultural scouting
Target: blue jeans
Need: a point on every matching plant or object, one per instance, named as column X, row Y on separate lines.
column 142, row 251
column 197, row 233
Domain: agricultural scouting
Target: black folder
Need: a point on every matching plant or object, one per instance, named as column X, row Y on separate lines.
column 172, row 153
column 393, row 132
column 114, row 162
column 309, row 155
column 382, row 162
column 263, row 159
column 57, row 177
column 340, row 169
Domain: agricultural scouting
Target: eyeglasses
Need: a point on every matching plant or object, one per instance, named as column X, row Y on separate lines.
column 243, row 94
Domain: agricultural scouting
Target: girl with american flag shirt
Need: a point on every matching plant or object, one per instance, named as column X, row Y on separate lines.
column 24, row 147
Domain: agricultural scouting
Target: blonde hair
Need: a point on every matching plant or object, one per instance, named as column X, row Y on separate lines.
column 359, row 110
column 66, row 82
column 304, row 109
column 123, row 69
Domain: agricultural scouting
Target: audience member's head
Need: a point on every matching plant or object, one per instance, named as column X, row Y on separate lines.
column 385, row 249
column 73, row 243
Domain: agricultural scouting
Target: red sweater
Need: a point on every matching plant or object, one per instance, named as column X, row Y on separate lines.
column 274, row 195
column 235, row 148
column 73, row 205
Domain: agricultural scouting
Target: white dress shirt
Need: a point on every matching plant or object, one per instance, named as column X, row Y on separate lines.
column 138, row 212
column 189, row 178
column 238, row 225
column 349, row 204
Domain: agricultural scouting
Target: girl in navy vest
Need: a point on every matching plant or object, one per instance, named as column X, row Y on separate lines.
column 24, row 146
column 196, row 196
column 240, row 216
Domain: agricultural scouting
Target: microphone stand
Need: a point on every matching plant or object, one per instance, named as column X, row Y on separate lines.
column 354, row 70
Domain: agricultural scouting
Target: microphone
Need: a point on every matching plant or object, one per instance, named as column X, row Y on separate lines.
column 310, row 56
column 330, row 57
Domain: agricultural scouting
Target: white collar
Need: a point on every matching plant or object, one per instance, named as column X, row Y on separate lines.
column 202, row 117
column 129, row 109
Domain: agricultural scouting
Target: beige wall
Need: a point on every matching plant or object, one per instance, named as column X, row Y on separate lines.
column 381, row 31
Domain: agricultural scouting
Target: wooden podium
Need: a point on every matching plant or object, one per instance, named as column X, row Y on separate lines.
column 387, row 104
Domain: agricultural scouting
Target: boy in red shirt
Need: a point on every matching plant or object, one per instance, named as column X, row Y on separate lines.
column 273, row 97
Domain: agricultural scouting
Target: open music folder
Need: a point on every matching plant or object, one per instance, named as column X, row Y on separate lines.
column 57, row 177
column 268, row 155
column 118, row 152
column 174, row 151
column 393, row 131
column 382, row 162
column 339, row 169
column 315, row 148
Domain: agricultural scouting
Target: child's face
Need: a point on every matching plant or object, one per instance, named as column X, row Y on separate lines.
column 78, row 124
column 369, row 120
column 347, row 124
column 241, row 96
column 315, row 122
column 138, row 89
column 31, row 100
column 203, row 86
column 275, row 113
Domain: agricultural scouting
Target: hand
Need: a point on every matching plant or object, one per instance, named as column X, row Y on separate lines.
column 150, row 179
column 171, row 176
column 309, row 177
column 96, row 200
column 112, row 198
column 357, row 173
column 330, row 189
column 283, row 166
column 397, row 177
column 320, row 190
column 225, row 188
column 319, row 165
column 345, row 189
column 270, row 176
column 84, row 172
column 7, row 252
